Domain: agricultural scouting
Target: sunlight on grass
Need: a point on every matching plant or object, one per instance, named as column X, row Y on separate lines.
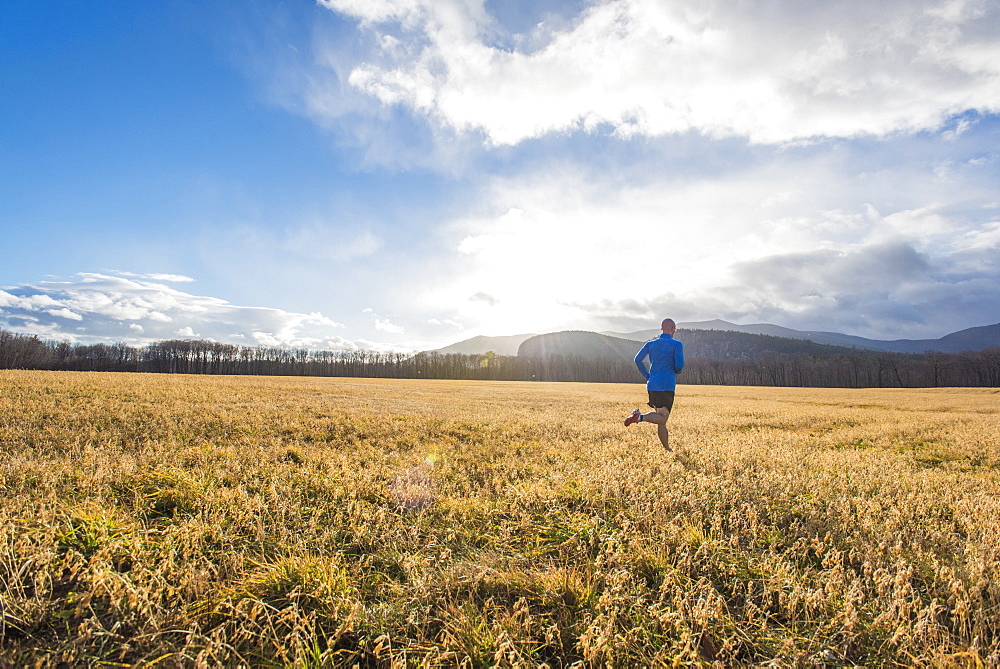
column 182, row 520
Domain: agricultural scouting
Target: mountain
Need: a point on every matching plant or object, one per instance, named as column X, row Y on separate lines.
column 577, row 343
column 714, row 344
column 971, row 339
column 478, row 345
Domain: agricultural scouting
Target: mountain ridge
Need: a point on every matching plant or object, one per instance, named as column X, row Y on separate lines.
column 710, row 344
column 970, row 339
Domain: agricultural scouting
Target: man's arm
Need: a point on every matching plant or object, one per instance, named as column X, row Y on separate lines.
column 640, row 360
column 679, row 358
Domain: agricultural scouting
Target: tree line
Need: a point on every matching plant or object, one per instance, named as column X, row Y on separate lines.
column 853, row 368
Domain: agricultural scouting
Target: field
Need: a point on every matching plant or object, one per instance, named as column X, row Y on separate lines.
column 168, row 520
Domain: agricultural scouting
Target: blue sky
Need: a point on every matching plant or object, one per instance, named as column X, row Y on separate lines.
column 409, row 174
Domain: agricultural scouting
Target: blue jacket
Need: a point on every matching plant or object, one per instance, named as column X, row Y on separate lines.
column 666, row 360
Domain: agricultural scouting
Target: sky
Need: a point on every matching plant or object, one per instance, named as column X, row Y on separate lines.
column 404, row 175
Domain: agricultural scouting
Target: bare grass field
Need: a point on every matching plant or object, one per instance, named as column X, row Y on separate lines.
column 170, row 520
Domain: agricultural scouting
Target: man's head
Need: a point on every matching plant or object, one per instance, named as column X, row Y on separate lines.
column 668, row 326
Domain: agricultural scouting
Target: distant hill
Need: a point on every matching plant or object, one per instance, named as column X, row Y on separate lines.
column 971, row 339
column 577, row 343
column 714, row 344
column 478, row 345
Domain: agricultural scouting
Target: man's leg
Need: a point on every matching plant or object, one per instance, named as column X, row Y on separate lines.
column 664, row 435
column 658, row 417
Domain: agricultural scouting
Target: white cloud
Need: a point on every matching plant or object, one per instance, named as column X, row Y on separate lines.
column 28, row 302
column 172, row 278
column 132, row 308
column 480, row 296
column 787, row 71
column 802, row 243
column 886, row 290
column 65, row 313
column 383, row 324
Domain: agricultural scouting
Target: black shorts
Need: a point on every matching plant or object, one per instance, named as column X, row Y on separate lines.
column 661, row 399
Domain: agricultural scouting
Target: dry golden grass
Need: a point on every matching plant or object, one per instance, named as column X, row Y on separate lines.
column 198, row 521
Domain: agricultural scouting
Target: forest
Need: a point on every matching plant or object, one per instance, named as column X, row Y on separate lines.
column 845, row 368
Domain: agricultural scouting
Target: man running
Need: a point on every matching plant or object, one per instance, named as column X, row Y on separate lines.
column 666, row 360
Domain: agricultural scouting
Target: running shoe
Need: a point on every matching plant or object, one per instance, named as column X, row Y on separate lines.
column 634, row 417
